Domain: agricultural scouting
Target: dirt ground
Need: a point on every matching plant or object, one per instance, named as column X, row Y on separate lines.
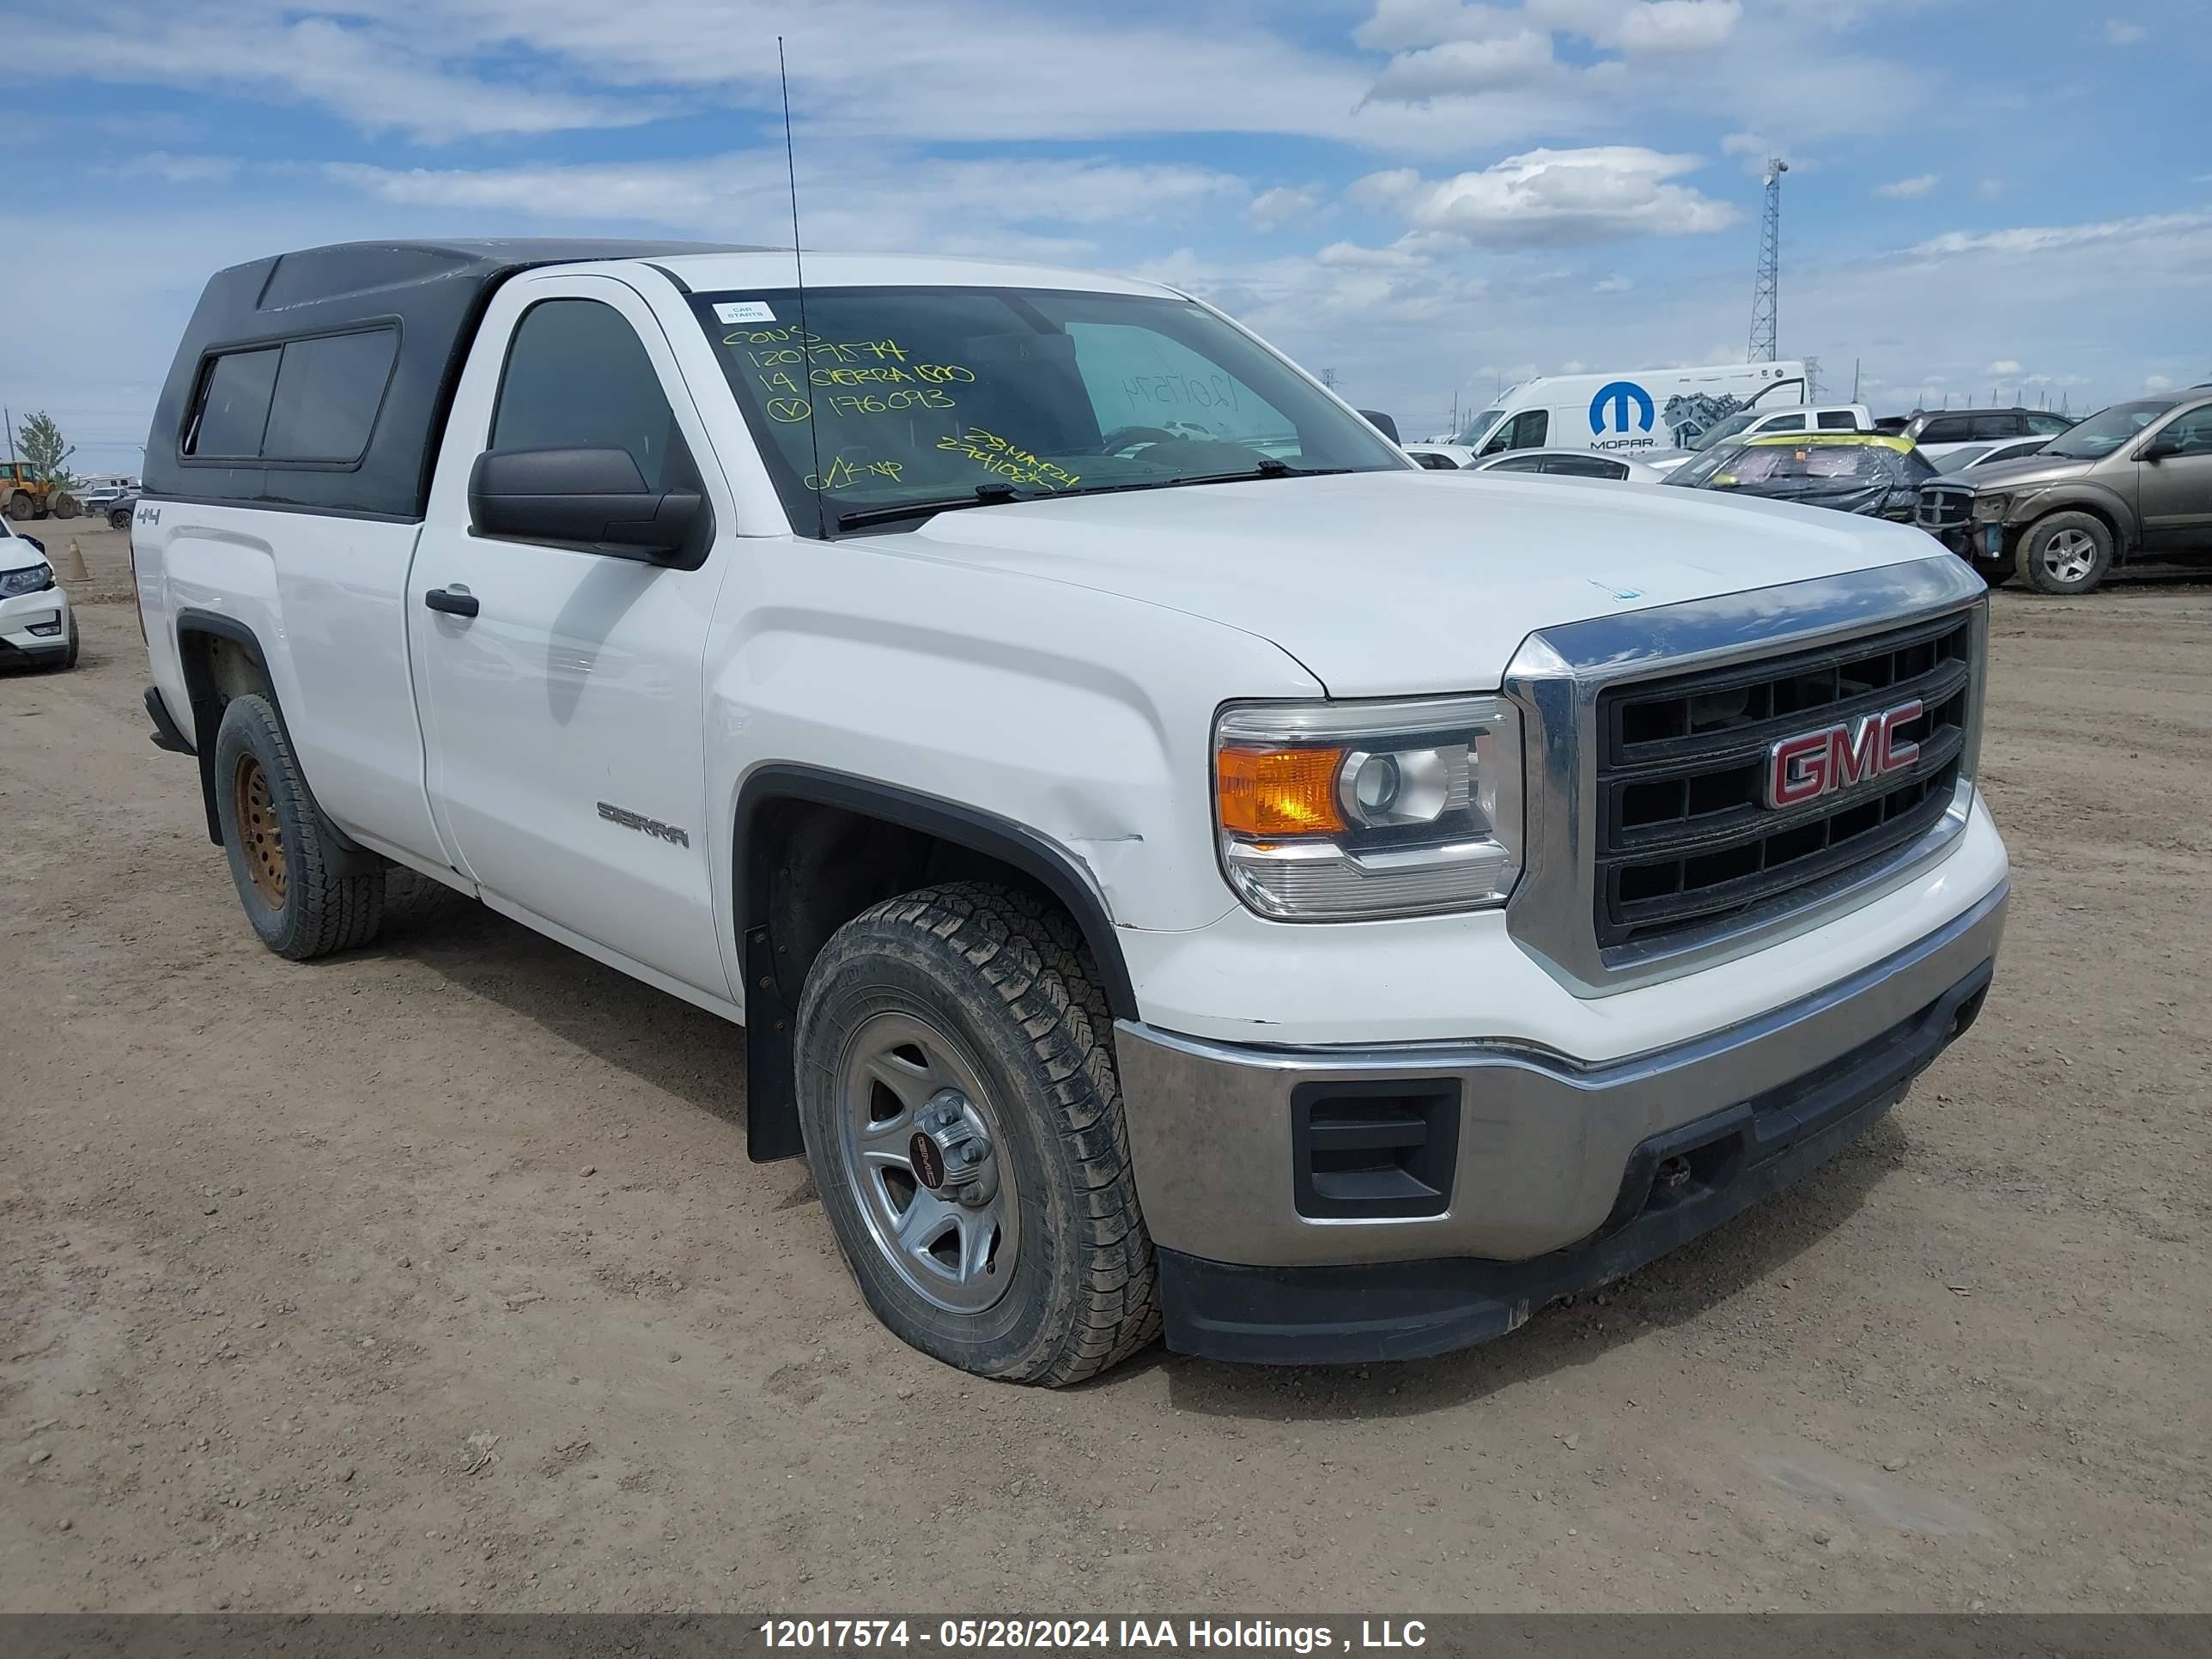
column 435, row 1276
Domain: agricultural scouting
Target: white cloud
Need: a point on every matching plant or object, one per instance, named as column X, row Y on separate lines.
column 1908, row 189
column 1557, row 199
column 2157, row 382
column 2039, row 239
column 1353, row 255
column 176, row 169
column 1615, row 284
column 859, row 199
column 1990, row 189
column 2121, row 32
column 2002, row 366
column 1678, row 26
column 1460, row 67
column 1398, row 24
column 381, row 79
column 1272, row 209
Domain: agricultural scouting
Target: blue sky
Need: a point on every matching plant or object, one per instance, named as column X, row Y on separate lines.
column 1426, row 196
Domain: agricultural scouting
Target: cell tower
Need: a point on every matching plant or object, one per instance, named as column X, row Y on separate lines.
column 1765, row 297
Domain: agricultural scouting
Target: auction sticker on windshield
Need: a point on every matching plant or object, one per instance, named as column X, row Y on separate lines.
column 745, row 310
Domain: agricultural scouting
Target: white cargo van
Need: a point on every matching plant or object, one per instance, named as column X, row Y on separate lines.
column 1648, row 409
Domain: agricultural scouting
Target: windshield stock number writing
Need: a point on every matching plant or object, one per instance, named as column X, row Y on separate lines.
column 1215, row 392
column 1016, row 465
column 889, row 403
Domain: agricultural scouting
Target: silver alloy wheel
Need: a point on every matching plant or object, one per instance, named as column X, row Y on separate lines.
column 2069, row 555
column 922, row 1152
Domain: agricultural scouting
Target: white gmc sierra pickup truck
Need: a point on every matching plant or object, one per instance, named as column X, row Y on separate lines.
column 1180, row 864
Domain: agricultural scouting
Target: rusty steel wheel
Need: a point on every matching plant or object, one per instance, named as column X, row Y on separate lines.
column 305, row 893
column 261, row 834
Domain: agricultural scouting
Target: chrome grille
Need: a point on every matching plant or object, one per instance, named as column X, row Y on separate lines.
column 1684, row 840
column 1944, row 507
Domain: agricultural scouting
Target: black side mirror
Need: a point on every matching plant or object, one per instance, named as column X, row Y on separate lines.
column 2158, row 452
column 595, row 498
column 1382, row 422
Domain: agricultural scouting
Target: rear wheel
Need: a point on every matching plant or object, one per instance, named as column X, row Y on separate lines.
column 62, row 505
column 280, row 860
column 2065, row 553
column 118, row 518
column 962, row 1119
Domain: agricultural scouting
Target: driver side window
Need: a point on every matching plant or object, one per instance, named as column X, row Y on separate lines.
column 1137, row 378
column 2191, row 433
column 1525, row 430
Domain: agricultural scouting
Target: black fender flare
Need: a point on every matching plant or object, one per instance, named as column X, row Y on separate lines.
column 207, row 715
column 771, row 1080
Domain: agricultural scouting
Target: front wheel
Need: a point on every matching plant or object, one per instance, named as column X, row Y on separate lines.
column 279, row 859
column 2065, row 553
column 21, row 507
column 962, row 1119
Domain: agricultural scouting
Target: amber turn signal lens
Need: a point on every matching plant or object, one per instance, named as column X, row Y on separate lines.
column 1279, row 791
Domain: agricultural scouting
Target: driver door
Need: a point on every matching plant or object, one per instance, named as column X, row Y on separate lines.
column 561, row 689
column 2175, row 491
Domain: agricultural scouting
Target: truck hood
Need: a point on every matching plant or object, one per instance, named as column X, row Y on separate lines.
column 1389, row 583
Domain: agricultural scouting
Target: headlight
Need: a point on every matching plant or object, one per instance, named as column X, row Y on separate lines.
column 1990, row 509
column 1330, row 811
column 35, row 579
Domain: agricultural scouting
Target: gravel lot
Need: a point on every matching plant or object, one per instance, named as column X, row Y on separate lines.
column 435, row 1276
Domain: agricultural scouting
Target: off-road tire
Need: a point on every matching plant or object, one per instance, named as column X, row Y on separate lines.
column 62, row 505
column 319, row 911
column 1008, row 977
column 2038, row 535
column 21, row 507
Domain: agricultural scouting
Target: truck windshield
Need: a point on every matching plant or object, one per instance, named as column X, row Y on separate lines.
column 2106, row 431
column 942, row 396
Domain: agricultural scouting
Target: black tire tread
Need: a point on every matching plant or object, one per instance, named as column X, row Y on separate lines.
column 325, row 912
column 1030, row 954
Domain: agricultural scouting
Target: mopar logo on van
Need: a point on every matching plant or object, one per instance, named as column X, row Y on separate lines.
column 1617, row 403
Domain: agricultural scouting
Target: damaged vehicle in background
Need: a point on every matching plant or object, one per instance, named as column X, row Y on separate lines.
column 2132, row 483
column 1860, row 472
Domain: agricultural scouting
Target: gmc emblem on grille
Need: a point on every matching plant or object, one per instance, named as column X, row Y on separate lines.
column 1816, row 763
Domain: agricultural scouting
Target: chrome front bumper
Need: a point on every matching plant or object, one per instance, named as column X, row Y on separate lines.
column 1547, row 1149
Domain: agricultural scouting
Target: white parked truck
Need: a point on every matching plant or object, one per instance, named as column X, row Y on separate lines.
column 1177, row 863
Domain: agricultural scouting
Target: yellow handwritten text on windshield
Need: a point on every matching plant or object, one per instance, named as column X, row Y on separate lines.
column 1015, row 464
column 844, row 472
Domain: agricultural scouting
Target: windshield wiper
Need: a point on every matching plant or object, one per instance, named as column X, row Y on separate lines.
column 986, row 494
column 995, row 495
column 1269, row 467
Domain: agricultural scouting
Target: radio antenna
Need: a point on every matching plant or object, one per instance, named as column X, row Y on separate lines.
column 799, row 262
